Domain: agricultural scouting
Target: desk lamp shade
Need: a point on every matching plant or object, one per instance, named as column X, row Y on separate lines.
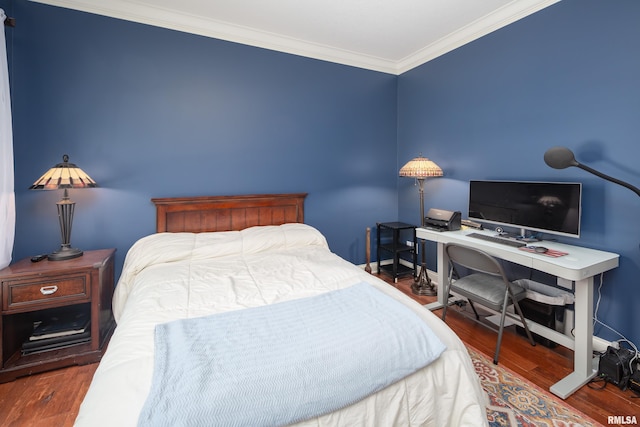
column 64, row 175
column 562, row 158
column 421, row 168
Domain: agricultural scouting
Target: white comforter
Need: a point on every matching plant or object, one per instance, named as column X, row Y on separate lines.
column 170, row 276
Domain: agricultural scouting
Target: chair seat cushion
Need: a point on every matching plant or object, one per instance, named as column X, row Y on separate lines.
column 486, row 289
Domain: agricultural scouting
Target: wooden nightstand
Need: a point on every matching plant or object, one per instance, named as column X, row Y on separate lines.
column 32, row 291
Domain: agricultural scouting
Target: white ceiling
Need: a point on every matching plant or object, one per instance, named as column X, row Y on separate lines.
column 391, row 36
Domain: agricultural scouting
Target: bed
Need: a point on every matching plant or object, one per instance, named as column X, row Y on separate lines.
column 228, row 259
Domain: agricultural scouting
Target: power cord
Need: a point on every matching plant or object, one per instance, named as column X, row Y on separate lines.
column 598, row 379
column 598, row 321
column 634, row 348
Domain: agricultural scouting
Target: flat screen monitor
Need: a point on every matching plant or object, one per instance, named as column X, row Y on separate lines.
column 547, row 207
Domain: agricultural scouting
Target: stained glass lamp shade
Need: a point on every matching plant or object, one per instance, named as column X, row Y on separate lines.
column 64, row 176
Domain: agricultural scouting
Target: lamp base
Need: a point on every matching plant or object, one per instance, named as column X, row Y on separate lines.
column 422, row 284
column 63, row 253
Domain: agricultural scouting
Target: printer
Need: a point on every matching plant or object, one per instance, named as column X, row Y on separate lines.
column 441, row 220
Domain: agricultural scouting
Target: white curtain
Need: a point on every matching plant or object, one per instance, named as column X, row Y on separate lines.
column 7, row 197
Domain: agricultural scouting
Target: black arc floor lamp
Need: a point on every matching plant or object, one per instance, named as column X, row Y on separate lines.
column 421, row 168
column 562, row 158
column 64, row 175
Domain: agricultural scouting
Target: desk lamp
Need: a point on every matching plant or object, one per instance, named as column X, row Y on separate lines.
column 64, row 175
column 562, row 158
column 421, row 168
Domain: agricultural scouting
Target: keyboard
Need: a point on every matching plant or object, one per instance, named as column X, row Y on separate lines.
column 495, row 239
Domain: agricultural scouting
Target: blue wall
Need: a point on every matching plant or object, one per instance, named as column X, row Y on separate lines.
column 568, row 75
column 150, row 112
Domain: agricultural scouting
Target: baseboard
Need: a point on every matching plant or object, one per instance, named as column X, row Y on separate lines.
column 431, row 274
column 374, row 265
column 374, row 268
column 600, row 345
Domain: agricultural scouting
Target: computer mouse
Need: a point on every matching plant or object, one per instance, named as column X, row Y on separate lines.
column 541, row 249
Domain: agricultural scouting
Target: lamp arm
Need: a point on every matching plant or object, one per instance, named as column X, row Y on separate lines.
column 609, row 178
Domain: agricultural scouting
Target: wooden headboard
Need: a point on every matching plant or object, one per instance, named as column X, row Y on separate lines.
column 226, row 213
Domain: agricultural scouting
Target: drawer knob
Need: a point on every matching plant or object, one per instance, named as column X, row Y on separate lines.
column 48, row 290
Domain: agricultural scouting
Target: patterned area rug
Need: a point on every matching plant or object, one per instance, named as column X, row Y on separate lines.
column 514, row 402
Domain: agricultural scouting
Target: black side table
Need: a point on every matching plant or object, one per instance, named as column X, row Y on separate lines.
column 392, row 241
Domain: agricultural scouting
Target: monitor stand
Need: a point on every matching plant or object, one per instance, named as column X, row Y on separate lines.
column 521, row 237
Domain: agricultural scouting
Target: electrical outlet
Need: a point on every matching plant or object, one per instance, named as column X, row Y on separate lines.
column 409, row 243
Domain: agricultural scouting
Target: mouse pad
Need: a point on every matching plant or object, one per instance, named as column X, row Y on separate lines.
column 551, row 253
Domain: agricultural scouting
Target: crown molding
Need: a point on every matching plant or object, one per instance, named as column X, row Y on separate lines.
column 502, row 17
column 179, row 21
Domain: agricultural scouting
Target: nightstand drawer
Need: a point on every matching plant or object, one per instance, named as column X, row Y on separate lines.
column 41, row 293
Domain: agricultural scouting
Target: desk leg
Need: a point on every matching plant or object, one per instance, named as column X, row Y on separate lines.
column 442, row 265
column 583, row 365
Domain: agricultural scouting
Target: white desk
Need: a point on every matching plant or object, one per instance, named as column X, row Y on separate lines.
column 574, row 271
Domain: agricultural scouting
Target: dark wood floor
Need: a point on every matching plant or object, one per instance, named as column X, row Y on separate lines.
column 53, row 398
column 540, row 365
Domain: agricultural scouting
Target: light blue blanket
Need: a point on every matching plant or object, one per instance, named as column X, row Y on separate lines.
column 283, row 363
